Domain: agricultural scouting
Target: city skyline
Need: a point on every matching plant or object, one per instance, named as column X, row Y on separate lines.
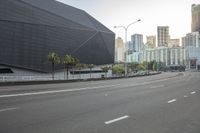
column 173, row 13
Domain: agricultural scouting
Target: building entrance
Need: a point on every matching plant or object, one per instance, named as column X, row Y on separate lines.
column 193, row 64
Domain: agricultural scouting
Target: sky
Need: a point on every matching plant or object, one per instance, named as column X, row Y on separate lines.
column 173, row 13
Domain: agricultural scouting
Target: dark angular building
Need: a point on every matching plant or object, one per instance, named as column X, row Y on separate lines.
column 30, row 29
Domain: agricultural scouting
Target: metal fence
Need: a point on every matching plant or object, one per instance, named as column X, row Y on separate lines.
column 8, row 78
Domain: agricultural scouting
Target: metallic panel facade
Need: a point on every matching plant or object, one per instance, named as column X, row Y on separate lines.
column 29, row 30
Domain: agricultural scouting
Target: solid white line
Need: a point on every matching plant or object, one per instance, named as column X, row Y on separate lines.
column 56, row 91
column 192, row 92
column 77, row 89
column 171, row 101
column 159, row 86
column 117, row 119
column 8, row 109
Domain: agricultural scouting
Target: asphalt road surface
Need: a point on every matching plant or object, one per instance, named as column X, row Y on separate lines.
column 165, row 103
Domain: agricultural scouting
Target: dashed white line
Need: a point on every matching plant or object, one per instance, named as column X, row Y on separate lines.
column 192, row 92
column 185, row 96
column 171, row 101
column 8, row 109
column 117, row 119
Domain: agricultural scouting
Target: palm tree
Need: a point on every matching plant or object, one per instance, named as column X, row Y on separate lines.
column 90, row 66
column 75, row 62
column 54, row 59
column 69, row 62
column 80, row 66
column 105, row 69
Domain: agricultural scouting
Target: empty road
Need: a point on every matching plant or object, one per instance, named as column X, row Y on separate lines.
column 164, row 103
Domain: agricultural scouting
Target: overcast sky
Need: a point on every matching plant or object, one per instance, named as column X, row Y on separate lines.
column 173, row 13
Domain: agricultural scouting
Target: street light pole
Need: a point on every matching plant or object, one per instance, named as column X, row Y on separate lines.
column 126, row 54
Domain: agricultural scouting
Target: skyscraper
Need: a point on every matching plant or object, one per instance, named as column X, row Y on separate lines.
column 163, row 35
column 119, row 50
column 195, row 18
column 137, row 40
column 151, row 41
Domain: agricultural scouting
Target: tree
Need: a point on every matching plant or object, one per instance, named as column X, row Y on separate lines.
column 75, row 62
column 69, row 61
column 105, row 69
column 118, row 69
column 133, row 66
column 141, row 67
column 54, row 59
column 90, row 66
column 80, row 66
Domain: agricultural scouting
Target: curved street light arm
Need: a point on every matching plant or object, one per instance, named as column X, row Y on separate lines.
column 133, row 23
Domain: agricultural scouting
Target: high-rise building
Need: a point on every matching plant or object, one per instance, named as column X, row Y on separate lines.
column 163, row 36
column 183, row 40
column 191, row 40
column 119, row 50
column 129, row 46
column 195, row 18
column 151, row 41
column 174, row 43
column 137, row 42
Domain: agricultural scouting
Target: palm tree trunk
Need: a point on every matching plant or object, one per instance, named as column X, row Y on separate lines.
column 67, row 72
column 90, row 73
column 79, row 74
column 73, row 71
column 52, row 71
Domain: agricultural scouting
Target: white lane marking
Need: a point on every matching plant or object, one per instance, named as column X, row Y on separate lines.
column 117, row 119
column 77, row 89
column 56, row 91
column 8, row 109
column 171, row 101
column 16, row 89
column 159, row 86
column 192, row 92
column 144, row 83
column 106, row 95
column 185, row 96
